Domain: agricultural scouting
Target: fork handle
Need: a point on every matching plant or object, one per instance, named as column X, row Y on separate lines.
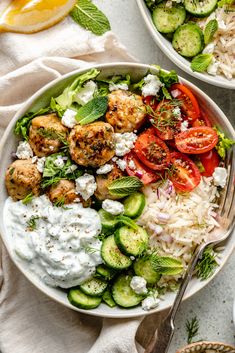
column 162, row 337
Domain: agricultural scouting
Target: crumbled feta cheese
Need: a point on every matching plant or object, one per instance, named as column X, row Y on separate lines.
column 221, row 24
column 184, row 125
column 24, row 151
column 68, row 119
column 71, row 169
column 40, row 164
column 86, row 93
column 115, row 86
column 124, row 143
column 104, row 169
column 85, row 186
column 213, row 67
column 177, row 112
column 209, row 48
column 220, row 176
column 59, row 162
column 152, row 85
column 113, row 207
column 121, row 164
column 131, row 164
column 138, row 284
column 150, row 303
column 114, row 159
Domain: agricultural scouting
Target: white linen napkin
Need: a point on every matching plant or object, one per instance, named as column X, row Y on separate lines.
column 29, row 320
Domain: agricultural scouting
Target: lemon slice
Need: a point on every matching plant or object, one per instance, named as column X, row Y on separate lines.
column 28, row 16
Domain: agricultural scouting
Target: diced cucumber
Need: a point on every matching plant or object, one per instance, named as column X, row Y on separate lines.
column 123, row 294
column 108, row 299
column 188, row 40
column 131, row 241
column 134, row 205
column 106, row 272
column 112, row 256
column 143, row 268
column 94, row 287
column 83, row 301
column 108, row 221
column 200, row 8
column 168, row 19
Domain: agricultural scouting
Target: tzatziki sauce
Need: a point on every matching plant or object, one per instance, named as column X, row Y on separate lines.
column 59, row 244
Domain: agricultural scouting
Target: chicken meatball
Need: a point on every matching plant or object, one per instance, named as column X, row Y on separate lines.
column 104, row 180
column 92, row 145
column 126, row 111
column 63, row 192
column 22, row 178
column 46, row 135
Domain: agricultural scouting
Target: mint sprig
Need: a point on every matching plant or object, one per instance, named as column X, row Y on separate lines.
column 166, row 265
column 88, row 16
column 124, row 186
column 201, row 62
column 92, row 111
column 210, row 30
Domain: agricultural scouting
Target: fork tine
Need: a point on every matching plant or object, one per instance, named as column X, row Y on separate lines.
column 229, row 190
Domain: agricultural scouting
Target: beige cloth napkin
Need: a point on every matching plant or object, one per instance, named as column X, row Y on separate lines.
column 29, row 320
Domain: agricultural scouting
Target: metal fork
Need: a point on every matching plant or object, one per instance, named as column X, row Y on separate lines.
column 162, row 337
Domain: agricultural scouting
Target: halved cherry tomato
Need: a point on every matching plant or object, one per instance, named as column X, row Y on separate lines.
column 134, row 167
column 210, row 160
column 185, row 175
column 189, row 104
column 166, row 119
column 151, row 101
column 151, row 150
column 196, row 140
column 202, row 121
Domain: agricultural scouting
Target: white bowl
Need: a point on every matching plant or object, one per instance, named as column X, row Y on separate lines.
column 9, row 143
column 167, row 48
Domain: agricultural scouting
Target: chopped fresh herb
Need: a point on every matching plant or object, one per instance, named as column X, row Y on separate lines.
column 60, row 202
column 53, row 135
column 32, row 224
column 207, row 264
column 11, row 171
column 90, row 17
column 192, row 328
column 92, row 111
column 224, row 143
column 164, row 118
column 90, row 250
column 23, row 124
column 28, row 198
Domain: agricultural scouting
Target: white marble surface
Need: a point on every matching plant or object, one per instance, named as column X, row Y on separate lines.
column 213, row 305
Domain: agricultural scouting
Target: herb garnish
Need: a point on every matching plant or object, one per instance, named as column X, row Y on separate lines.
column 125, row 186
column 32, row 224
column 92, row 111
column 192, row 328
column 207, row 265
column 224, row 143
column 166, row 265
column 53, row 135
column 28, row 198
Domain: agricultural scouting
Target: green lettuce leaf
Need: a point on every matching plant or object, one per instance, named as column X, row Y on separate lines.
column 224, row 143
column 168, row 78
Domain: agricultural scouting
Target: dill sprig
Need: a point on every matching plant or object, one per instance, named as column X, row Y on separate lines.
column 32, row 223
column 192, row 328
column 207, row 264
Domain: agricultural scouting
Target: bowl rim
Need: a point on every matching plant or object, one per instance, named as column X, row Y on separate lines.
column 178, row 59
column 207, row 345
column 23, row 110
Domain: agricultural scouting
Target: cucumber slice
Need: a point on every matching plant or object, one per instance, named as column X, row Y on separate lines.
column 131, row 241
column 83, row 301
column 134, row 205
column 112, row 256
column 168, row 19
column 200, row 8
column 108, row 221
column 108, row 299
column 106, row 272
column 94, row 287
column 188, row 40
column 143, row 268
column 123, row 294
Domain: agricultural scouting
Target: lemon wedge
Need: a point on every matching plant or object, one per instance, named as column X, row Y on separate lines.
column 29, row 16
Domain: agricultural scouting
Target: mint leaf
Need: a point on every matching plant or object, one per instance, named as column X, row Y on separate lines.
column 201, row 62
column 166, row 265
column 92, row 111
column 224, row 143
column 68, row 96
column 23, row 124
column 90, row 17
column 124, row 186
column 209, row 31
column 123, row 220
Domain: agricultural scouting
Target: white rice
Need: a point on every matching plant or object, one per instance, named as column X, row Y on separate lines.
column 177, row 223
